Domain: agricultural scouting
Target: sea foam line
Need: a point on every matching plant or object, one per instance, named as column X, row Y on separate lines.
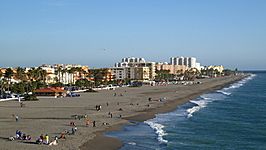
column 236, row 85
column 158, row 130
column 205, row 100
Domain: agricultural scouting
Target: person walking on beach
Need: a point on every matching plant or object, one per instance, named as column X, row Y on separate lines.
column 110, row 114
column 94, row 123
column 73, row 131
column 16, row 117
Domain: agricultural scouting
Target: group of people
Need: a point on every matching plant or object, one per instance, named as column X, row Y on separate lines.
column 40, row 140
column 74, row 127
column 20, row 136
column 43, row 139
column 79, row 116
column 98, row 107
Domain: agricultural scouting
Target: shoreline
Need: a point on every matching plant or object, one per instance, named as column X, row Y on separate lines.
column 112, row 143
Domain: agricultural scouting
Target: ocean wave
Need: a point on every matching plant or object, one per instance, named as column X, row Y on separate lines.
column 241, row 82
column 132, row 143
column 199, row 104
column 158, row 130
column 203, row 97
column 224, row 92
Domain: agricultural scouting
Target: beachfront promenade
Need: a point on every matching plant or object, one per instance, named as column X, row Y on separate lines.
column 53, row 116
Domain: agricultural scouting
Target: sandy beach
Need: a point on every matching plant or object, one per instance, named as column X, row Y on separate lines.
column 53, row 116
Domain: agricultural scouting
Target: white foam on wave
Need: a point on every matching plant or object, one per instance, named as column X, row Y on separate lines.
column 199, row 104
column 236, row 85
column 224, row 92
column 203, row 97
column 242, row 82
column 132, row 143
column 158, row 130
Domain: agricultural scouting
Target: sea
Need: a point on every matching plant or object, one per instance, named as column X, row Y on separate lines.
column 232, row 118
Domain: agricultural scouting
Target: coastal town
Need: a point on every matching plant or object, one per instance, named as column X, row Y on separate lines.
column 127, row 72
column 132, row 75
column 54, row 106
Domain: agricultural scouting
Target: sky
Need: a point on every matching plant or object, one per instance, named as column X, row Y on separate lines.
column 99, row 33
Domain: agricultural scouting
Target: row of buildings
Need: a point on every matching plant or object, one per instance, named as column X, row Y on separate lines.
column 130, row 68
column 140, row 69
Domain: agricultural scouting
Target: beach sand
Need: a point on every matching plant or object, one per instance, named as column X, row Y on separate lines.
column 52, row 116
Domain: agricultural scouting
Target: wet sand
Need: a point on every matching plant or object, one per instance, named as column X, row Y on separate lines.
column 52, row 116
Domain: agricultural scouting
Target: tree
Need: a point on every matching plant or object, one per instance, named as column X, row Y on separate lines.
column 163, row 75
column 191, row 74
column 82, row 83
column 9, row 74
column 1, row 74
column 20, row 74
column 19, row 88
column 43, row 74
column 1, row 82
column 36, row 79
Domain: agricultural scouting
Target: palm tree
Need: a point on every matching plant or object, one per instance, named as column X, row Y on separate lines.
column 20, row 74
column 79, row 70
column 43, row 74
column 9, row 74
column 1, row 82
column 1, row 74
column 33, row 75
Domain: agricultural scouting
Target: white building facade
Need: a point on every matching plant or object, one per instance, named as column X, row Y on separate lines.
column 190, row 62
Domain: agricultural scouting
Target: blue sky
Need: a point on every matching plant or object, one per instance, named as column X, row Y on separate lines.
column 99, row 33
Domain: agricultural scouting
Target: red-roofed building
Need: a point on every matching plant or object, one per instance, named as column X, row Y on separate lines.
column 50, row 91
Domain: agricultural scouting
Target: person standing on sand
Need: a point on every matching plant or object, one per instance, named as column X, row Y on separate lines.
column 46, row 139
column 94, row 123
column 16, row 117
column 73, row 131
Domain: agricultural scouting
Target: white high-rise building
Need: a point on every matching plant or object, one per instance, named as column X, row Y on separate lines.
column 180, row 61
column 190, row 62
